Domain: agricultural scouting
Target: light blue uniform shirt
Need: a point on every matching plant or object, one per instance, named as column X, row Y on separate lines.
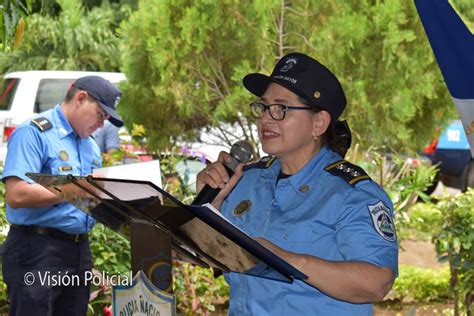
column 57, row 150
column 311, row 212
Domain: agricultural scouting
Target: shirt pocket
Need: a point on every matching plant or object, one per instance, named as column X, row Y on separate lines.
column 295, row 238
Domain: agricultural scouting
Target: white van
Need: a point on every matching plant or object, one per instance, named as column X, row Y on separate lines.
column 25, row 93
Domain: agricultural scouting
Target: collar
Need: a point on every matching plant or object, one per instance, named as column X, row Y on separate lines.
column 308, row 176
column 61, row 123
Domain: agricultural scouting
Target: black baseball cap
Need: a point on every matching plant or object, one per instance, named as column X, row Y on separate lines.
column 307, row 78
column 106, row 94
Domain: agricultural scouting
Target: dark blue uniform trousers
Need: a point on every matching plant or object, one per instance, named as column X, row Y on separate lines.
column 39, row 272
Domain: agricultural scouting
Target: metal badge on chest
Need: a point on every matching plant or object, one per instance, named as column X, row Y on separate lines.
column 63, row 155
column 242, row 208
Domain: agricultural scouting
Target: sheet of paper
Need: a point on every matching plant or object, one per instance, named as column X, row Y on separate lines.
column 142, row 171
column 212, row 208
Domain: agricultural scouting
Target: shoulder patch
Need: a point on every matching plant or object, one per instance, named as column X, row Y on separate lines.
column 42, row 123
column 383, row 221
column 351, row 173
column 263, row 163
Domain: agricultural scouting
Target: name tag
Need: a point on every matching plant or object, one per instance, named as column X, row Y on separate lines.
column 65, row 168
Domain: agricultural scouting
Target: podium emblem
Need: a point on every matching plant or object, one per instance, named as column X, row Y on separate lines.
column 142, row 298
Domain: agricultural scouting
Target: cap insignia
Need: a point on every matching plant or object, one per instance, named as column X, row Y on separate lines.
column 117, row 99
column 289, row 63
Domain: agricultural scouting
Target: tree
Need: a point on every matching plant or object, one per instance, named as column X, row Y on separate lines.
column 184, row 61
column 12, row 22
column 76, row 39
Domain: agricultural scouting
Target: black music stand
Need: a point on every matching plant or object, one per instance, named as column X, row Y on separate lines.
column 162, row 228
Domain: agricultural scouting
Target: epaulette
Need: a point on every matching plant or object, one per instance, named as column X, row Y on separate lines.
column 263, row 163
column 42, row 123
column 351, row 173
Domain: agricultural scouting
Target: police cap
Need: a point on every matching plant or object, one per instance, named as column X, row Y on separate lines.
column 307, row 78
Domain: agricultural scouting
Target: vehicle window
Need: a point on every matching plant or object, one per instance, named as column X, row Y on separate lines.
column 188, row 170
column 7, row 92
column 50, row 93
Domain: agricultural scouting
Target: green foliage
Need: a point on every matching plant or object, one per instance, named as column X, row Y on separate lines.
column 11, row 15
column 421, row 285
column 173, row 182
column 422, row 221
column 186, row 85
column 403, row 180
column 197, row 291
column 110, row 254
column 74, row 40
column 110, row 250
column 454, row 242
column 465, row 8
column 185, row 60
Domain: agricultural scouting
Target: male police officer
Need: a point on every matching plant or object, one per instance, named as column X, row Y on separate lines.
column 48, row 237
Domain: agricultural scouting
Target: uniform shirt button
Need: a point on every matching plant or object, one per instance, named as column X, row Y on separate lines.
column 285, row 236
column 304, row 188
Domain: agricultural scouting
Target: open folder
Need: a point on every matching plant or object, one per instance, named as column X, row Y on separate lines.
column 199, row 234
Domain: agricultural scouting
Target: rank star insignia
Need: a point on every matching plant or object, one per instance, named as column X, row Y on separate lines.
column 63, row 155
column 242, row 207
column 382, row 220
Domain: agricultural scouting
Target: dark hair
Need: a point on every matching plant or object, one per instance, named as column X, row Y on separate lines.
column 72, row 92
column 333, row 137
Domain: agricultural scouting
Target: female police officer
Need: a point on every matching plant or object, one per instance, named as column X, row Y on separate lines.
column 320, row 213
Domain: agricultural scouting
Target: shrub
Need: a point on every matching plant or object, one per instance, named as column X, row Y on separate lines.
column 197, row 290
column 422, row 221
column 421, row 284
column 454, row 242
column 404, row 181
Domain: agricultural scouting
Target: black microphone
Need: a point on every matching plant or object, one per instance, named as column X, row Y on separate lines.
column 241, row 151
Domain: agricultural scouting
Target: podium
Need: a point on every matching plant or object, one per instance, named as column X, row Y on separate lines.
column 161, row 228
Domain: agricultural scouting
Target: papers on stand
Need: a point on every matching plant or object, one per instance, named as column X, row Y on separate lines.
column 141, row 171
column 212, row 208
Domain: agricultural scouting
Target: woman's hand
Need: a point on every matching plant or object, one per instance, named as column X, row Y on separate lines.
column 215, row 175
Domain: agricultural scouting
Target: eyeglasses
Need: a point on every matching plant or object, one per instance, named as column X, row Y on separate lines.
column 101, row 113
column 277, row 111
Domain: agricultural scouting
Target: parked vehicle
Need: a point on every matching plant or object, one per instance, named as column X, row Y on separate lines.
column 451, row 152
column 28, row 92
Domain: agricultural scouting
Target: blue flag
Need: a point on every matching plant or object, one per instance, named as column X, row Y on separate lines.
column 453, row 46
